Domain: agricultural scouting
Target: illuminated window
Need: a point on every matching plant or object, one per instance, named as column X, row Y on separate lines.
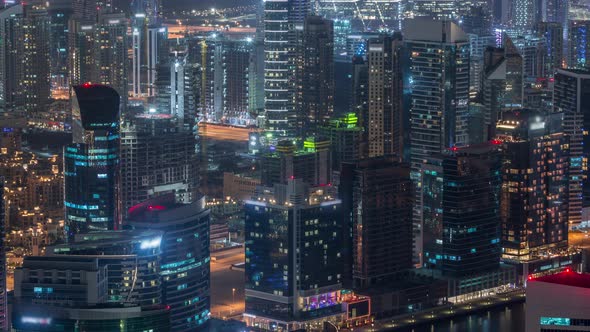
column 555, row 321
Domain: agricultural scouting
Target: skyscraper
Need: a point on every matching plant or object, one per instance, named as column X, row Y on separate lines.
column 377, row 195
column 502, row 86
column 227, row 67
column 316, row 79
column 60, row 13
column 91, row 162
column 98, row 52
column 184, row 267
column 471, row 205
column 524, row 15
column 439, row 84
column 579, row 44
column 553, row 33
column 25, row 57
column 294, row 256
column 571, row 96
column 149, row 40
column 3, row 293
column 384, row 122
column 284, row 22
column 311, row 164
column 158, row 156
column 535, row 195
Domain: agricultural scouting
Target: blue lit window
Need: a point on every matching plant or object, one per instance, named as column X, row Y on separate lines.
column 181, row 287
column 101, row 176
column 555, row 321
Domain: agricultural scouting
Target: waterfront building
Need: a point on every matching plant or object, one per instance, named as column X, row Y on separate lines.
column 571, row 96
column 377, row 195
column 439, row 84
column 534, row 207
column 294, row 257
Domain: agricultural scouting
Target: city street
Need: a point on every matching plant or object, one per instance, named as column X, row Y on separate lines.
column 227, row 285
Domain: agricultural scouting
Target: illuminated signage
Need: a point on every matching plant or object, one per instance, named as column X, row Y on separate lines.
column 149, row 244
column 35, row 320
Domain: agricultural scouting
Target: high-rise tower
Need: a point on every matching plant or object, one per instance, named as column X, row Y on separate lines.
column 91, row 162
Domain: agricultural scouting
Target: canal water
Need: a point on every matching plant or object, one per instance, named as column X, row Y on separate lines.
column 508, row 318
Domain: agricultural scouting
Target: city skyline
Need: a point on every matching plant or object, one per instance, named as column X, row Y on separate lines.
column 294, row 165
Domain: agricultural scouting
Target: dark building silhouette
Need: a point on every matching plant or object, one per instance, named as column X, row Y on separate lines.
column 377, row 196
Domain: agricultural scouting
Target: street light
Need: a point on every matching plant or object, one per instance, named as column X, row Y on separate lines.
column 233, row 294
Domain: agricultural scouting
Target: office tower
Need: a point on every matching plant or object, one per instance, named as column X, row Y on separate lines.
column 11, row 51
column 35, row 59
column 158, row 156
column 476, row 19
column 534, row 202
column 98, row 53
column 471, row 206
column 149, row 47
column 533, row 50
column 288, row 161
column 571, row 96
column 227, row 68
column 91, row 162
column 293, row 256
column 346, row 139
column 377, row 195
column 502, row 86
column 553, row 33
column 315, row 88
column 556, row 11
column 439, row 83
column 59, row 13
column 180, row 83
column 579, row 44
column 432, row 211
column 3, row 293
column 360, row 89
column 111, row 58
column 130, row 260
column 384, row 124
column 25, row 57
column 184, row 267
column 477, row 47
column 524, row 15
column 81, row 50
column 282, row 34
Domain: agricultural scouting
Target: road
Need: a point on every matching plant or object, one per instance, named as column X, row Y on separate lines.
column 225, row 133
column 227, row 285
column 579, row 239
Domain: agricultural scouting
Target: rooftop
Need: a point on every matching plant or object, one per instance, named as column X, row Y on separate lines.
column 566, row 278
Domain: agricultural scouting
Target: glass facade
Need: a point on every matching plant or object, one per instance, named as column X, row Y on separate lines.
column 91, row 162
column 185, row 260
column 471, row 204
column 293, row 254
